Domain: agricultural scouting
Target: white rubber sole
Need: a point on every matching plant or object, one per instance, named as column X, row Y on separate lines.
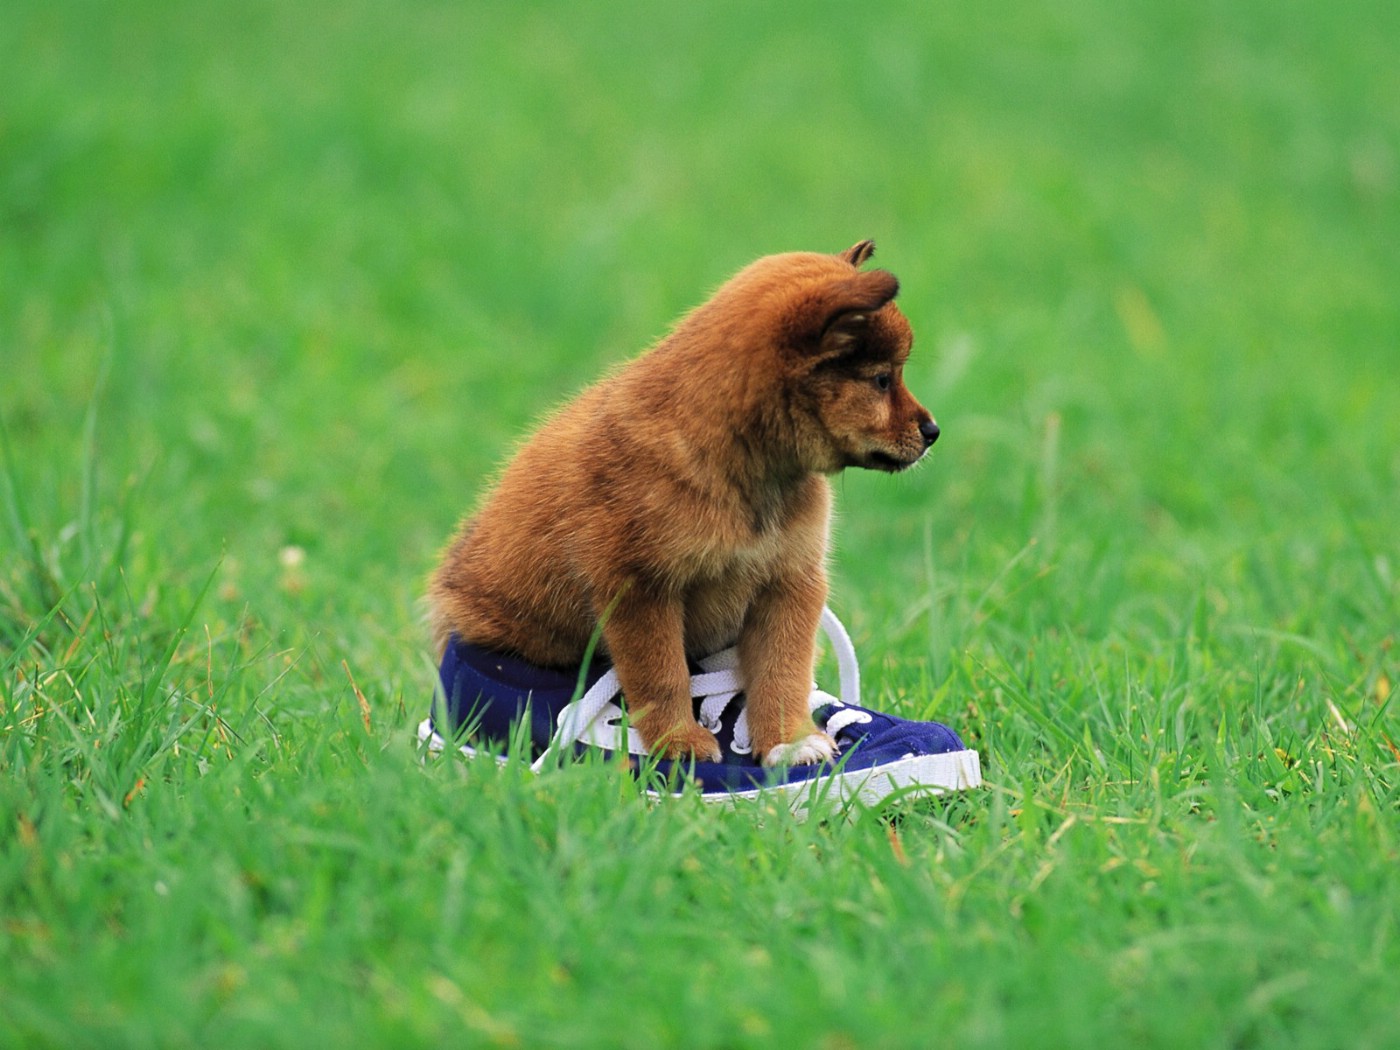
column 912, row 776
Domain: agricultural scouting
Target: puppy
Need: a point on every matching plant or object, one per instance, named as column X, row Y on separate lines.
column 682, row 503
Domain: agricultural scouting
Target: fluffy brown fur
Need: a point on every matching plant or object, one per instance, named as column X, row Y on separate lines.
column 683, row 500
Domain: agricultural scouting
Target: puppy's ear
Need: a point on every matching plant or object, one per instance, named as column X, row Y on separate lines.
column 850, row 306
column 859, row 254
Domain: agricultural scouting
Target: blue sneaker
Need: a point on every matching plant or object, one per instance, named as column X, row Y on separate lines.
column 490, row 699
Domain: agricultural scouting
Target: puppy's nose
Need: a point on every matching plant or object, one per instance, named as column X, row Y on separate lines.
column 929, row 429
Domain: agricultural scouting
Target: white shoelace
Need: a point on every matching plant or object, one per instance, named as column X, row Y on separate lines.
column 596, row 717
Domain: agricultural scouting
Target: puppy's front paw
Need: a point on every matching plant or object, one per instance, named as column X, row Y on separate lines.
column 688, row 741
column 816, row 747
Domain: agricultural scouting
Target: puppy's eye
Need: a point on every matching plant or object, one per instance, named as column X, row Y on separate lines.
column 882, row 381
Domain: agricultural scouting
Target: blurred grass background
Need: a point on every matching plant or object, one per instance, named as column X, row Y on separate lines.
column 333, row 263
column 280, row 285
column 341, row 261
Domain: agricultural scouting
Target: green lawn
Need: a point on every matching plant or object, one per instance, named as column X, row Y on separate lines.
column 280, row 284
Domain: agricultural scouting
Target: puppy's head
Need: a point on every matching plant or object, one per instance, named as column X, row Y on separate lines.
column 846, row 345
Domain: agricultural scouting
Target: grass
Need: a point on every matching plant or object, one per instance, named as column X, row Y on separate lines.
column 279, row 284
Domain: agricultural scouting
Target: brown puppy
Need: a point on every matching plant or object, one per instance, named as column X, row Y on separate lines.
column 682, row 502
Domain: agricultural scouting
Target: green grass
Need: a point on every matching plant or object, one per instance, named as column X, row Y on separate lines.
column 280, row 283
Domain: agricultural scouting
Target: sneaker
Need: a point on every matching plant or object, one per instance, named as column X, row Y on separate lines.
column 491, row 699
